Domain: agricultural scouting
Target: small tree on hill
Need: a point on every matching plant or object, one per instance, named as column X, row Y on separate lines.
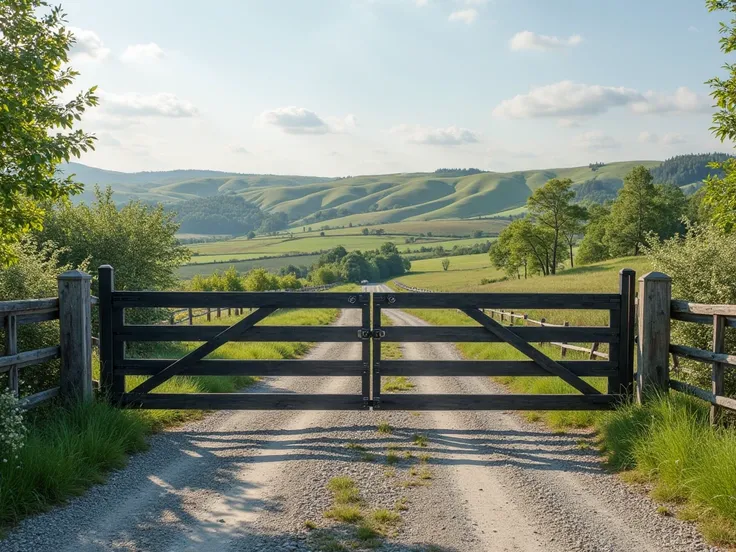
column 445, row 264
column 550, row 207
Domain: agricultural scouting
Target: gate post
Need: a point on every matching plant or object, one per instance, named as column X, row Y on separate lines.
column 106, row 280
column 655, row 294
column 75, row 327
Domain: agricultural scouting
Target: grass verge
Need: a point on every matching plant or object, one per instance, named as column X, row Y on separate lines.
column 669, row 444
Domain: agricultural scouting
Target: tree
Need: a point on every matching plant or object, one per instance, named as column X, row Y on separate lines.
column 365, row 231
column 35, row 123
column 633, row 214
column 445, row 264
column 251, row 235
column 137, row 239
column 550, row 206
column 720, row 193
column 523, row 244
column 593, row 247
column 573, row 227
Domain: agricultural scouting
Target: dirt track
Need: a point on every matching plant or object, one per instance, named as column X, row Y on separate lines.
column 249, row 481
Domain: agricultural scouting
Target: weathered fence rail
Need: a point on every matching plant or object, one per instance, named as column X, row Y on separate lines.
column 72, row 308
column 719, row 317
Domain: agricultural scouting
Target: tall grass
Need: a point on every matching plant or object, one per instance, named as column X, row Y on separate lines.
column 670, row 443
column 67, row 451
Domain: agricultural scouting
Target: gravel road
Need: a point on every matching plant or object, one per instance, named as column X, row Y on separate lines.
column 250, row 480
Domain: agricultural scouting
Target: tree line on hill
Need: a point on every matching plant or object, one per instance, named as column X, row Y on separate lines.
column 546, row 238
column 337, row 265
column 226, row 214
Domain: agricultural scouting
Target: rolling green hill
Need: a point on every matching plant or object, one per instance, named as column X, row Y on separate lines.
column 360, row 200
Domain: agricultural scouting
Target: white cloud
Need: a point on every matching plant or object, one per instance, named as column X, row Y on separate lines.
column 669, row 139
column 683, row 100
column 154, row 105
column 421, row 3
column 693, row 29
column 673, row 138
column 527, row 40
column 565, row 98
column 88, row 46
column 295, row 120
column 450, row 136
column 596, row 140
column 569, row 99
column 239, row 150
column 346, row 124
column 466, row 16
column 568, row 123
column 142, row 53
column 646, row 137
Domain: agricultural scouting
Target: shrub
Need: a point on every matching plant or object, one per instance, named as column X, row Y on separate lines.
column 701, row 266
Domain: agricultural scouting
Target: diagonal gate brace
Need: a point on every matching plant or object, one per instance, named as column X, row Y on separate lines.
column 203, row 350
column 535, row 354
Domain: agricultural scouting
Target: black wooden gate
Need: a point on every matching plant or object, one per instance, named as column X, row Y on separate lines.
column 116, row 364
column 619, row 335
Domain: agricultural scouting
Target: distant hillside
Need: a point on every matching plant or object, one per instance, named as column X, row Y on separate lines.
column 359, row 200
column 688, row 170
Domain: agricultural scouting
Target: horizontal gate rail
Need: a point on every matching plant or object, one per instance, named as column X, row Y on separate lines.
column 471, row 334
column 233, row 299
column 242, row 401
column 569, row 301
column 146, row 367
column 329, row 334
column 419, row 368
column 394, row 401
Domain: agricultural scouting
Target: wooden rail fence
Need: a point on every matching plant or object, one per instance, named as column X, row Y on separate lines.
column 72, row 308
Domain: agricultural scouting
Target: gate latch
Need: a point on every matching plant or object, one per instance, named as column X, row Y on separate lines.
column 368, row 334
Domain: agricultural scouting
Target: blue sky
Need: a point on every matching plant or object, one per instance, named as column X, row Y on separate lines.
column 341, row 87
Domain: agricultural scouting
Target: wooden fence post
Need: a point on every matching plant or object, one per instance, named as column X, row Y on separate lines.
column 563, row 349
column 75, row 325
column 11, row 348
column 719, row 346
column 655, row 295
column 189, row 314
column 209, row 314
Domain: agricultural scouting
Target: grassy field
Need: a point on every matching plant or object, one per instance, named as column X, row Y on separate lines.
column 455, row 227
column 246, row 254
column 68, row 450
column 187, row 272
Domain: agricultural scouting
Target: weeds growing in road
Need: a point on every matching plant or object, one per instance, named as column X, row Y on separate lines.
column 419, row 439
column 385, row 428
column 396, row 384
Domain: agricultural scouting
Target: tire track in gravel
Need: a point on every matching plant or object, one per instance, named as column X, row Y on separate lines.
column 528, row 478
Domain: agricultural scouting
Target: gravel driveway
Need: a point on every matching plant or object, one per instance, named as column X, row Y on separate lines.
column 250, row 480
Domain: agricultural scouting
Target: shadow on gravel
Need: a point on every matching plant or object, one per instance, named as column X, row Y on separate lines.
column 535, row 450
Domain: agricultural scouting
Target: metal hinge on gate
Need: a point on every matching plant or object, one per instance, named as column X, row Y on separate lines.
column 368, row 334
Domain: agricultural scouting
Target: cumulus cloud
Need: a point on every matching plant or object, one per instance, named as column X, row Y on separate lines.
column 565, row 98
column 142, row 53
column 596, row 140
column 88, row 46
column 154, row 105
column 450, row 136
column 298, row 120
column 669, row 139
column 568, row 123
column 466, row 16
column 569, row 99
column 527, row 40
column 646, row 137
column 683, row 100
